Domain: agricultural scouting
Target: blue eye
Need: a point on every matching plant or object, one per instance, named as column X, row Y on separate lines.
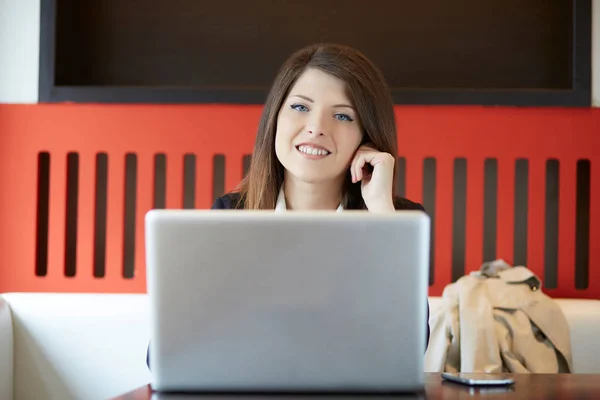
column 344, row 117
column 299, row 107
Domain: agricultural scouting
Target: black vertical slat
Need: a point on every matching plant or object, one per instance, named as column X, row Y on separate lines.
column 521, row 206
column 189, row 181
column 100, row 215
column 71, row 214
column 459, row 218
column 246, row 164
column 129, row 215
column 160, row 180
column 429, row 184
column 551, row 225
column 582, row 226
column 401, row 176
column 218, row 176
column 43, row 197
column 490, row 209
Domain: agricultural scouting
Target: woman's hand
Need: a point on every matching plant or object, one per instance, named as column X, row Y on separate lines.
column 376, row 186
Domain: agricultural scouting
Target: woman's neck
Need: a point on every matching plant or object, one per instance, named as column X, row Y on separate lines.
column 311, row 196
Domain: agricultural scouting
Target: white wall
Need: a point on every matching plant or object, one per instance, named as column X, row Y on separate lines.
column 19, row 50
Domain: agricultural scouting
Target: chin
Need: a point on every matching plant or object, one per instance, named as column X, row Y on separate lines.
column 313, row 177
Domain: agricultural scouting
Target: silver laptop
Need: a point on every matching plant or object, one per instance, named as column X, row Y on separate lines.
column 287, row 302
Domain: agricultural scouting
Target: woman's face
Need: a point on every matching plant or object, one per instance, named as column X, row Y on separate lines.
column 317, row 129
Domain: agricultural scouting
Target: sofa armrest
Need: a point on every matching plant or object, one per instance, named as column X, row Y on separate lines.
column 72, row 346
column 583, row 317
column 6, row 352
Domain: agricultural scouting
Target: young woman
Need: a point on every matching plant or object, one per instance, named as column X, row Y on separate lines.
column 326, row 140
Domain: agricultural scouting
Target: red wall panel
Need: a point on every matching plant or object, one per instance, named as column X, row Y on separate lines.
column 444, row 133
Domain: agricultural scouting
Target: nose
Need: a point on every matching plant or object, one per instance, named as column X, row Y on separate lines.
column 316, row 125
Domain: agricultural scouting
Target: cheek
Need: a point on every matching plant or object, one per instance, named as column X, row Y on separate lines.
column 348, row 142
column 284, row 131
column 283, row 138
column 278, row 143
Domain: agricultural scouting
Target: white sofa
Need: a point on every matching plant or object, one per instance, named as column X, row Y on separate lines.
column 93, row 346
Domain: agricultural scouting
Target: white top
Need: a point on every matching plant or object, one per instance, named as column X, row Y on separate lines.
column 281, row 206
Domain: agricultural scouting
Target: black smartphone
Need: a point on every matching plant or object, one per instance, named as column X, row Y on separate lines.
column 479, row 379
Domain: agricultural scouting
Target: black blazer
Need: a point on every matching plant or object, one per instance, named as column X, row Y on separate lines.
column 232, row 201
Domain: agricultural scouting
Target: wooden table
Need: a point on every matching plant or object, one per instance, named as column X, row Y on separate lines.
column 527, row 386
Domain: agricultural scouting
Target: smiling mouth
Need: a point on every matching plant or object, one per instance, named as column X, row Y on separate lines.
column 311, row 151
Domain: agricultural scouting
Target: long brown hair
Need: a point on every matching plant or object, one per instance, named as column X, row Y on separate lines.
column 369, row 94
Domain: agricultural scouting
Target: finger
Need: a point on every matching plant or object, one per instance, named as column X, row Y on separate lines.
column 360, row 163
column 384, row 159
column 366, row 158
column 367, row 147
column 353, row 168
column 375, row 158
column 361, row 168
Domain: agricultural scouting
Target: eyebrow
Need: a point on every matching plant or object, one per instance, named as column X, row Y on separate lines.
column 312, row 101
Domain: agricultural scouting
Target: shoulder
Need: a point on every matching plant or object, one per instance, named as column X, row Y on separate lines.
column 228, row 201
column 401, row 203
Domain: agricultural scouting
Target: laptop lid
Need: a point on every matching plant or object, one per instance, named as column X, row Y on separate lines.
column 296, row 301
